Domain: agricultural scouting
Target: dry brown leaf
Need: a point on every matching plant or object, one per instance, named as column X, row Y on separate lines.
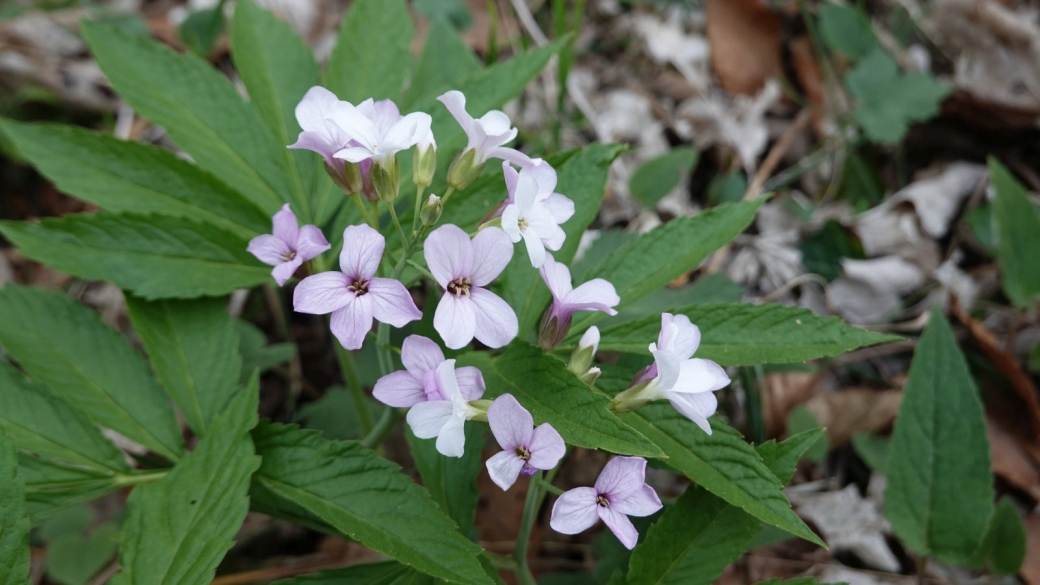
column 744, row 36
column 807, row 69
column 783, row 391
column 1030, row 571
column 854, row 410
column 1011, row 460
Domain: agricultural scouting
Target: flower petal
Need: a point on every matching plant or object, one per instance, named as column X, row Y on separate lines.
column 504, row 468
column 311, row 111
column 471, row 382
column 545, row 176
column 574, row 511
column 354, row 154
column 448, row 253
column 697, row 375
column 285, row 270
column 362, row 251
column 407, row 132
column 351, row 323
column 455, row 101
column 392, row 303
column 642, row 502
column 679, row 335
column 496, row 123
column 492, row 252
column 547, row 447
column 456, row 321
column 535, row 247
column 511, row 176
column 620, row 525
column 399, row 389
column 508, row 154
column 510, row 422
column 511, row 222
column 428, row 418
column 354, row 124
column 322, row 293
column 557, row 277
column 286, row 228
column 449, row 386
column 496, row 323
column 310, row 242
column 270, row 250
column 621, row 476
column 420, row 355
column 451, row 442
column 384, row 114
column 669, row 365
column 316, row 142
column 696, row 407
column 594, row 295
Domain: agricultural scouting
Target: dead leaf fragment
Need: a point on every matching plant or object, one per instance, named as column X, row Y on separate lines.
column 744, row 36
column 854, row 410
column 1011, row 461
column 1030, row 571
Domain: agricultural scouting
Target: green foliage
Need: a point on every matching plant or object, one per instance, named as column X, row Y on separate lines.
column 335, row 414
column 711, row 288
column 51, row 487
column 741, row 334
column 940, row 489
column 151, row 255
column 180, row 527
column 452, row 481
column 14, row 521
column 823, row 252
column 367, row 61
column 385, row 573
column 64, row 344
column 73, row 558
column 1018, row 237
column 802, row 420
column 201, row 30
column 40, row 422
column 256, row 354
column 192, row 346
column 655, row 178
column 445, row 62
column 846, row 29
column 365, row 498
column 874, row 450
column 126, row 176
column 454, row 11
column 889, row 100
column 554, row 395
column 1003, row 547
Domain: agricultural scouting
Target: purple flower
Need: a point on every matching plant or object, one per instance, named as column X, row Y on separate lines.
column 320, row 134
column 487, row 134
column 418, row 381
column 463, row 268
column 444, row 419
column 620, row 492
column 289, row 247
column 355, row 295
column 525, row 448
column 594, row 295
column 377, row 129
column 534, row 212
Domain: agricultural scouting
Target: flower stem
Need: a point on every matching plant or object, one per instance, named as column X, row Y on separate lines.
column 548, row 487
column 382, row 428
column 523, row 538
column 447, row 195
column 422, row 270
column 353, row 381
column 418, row 208
column 139, row 478
column 364, row 210
column 397, row 224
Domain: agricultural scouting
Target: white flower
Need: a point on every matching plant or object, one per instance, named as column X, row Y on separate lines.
column 486, row 134
column 378, row 130
column 534, row 212
column 444, row 419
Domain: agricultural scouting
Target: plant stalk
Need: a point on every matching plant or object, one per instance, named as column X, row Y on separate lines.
column 353, row 382
column 523, row 538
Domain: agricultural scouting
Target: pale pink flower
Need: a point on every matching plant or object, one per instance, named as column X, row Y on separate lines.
column 487, row 134
column 620, row 492
column 444, row 419
column 377, row 129
column 289, row 247
column 594, row 295
column 418, row 381
column 355, row 296
column 534, row 212
column 525, row 449
column 320, row 134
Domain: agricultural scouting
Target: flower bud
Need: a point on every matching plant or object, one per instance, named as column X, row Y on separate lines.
column 431, row 211
column 424, row 164
column 347, row 177
column 386, row 179
column 464, row 170
column 478, row 410
column 591, row 376
column 553, row 331
column 583, row 355
column 632, row 399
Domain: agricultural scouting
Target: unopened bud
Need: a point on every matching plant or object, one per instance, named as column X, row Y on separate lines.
column 591, row 376
column 346, row 176
column 464, row 170
column 431, row 211
column 553, row 330
column 386, row 179
column 583, row 355
column 632, row 399
column 424, row 164
column 477, row 410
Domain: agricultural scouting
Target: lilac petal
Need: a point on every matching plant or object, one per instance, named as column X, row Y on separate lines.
column 491, row 253
column 511, row 176
column 354, row 154
column 526, row 190
column 471, row 382
column 451, row 442
column 697, row 375
column 509, row 154
column 496, row 123
column 555, row 241
column 620, row 525
column 504, row 468
column 354, row 124
column 678, row 335
column 511, row 424
column 575, row 511
column 448, row 253
column 316, row 142
column 449, row 384
column 285, row 270
column 362, row 250
column 351, row 323
column 456, row 321
column 407, row 132
column 669, row 365
column 399, row 389
column 545, row 176
column 621, row 476
column 511, row 222
column 286, row 228
column 594, row 295
column 391, row 302
column 535, row 247
column 561, row 208
column 384, row 114
column 547, row 447
column 496, row 323
column 428, row 418
column 322, row 293
column 641, row 502
column 310, row 112
column 420, row 355
column 455, row 101
column 557, row 277
column 696, row 407
column 310, row 243
column 270, row 250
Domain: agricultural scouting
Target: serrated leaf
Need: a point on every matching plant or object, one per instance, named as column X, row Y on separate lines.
column 451, row 481
column 654, row 179
column 889, row 100
column 846, row 29
column 723, row 463
column 40, row 422
column 153, row 256
column 372, row 54
column 782, row 458
column 365, row 498
column 52, row 487
column 200, row 109
column 446, row 60
column 126, row 176
column 384, row 573
column 64, row 344
column 180, row 526
column 742, row 334
column 1018, row 237
column 193, row 349
column 940, row 488
column 554, row 395
column 1003, row 547
column 14, row 520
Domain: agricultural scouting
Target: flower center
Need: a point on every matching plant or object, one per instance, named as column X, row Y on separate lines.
column 289, row 255
column 358, row 287
column 523, row 224
column 602, row 501
column 459, row 286
column 523, row 453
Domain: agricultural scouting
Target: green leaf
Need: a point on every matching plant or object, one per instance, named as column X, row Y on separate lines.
column 52, row 487
column 129, row 176
column 554, row 395
column 201, row 30
column 40, row 422
column 256, row 354
column 278, row 68
column 200, row 109
column 72, row 559
column 653, row 180
column 823, row 251
column 446, row 61
column 373, row 52
column 384, row 573
column 723, row 463
column 64, row 344
column 889, row 100
column 365, row 498
column 1018, row 237
column 874, row 450
column 1003, row 547
column 14, row 521
column 742, row 334
column 192, row 346
column 452, row 481
column 782, row 458
column 940, row 488
column 710, row 288
column 153, row 256
column 180, row 527
column 847, row 30
column 335, row 413
column 800, row 420
column 454, row 11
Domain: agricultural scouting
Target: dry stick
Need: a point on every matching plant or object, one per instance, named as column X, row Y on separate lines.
column 762, row 175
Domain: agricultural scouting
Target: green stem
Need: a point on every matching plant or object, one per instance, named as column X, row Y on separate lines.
column 447, row 195
column 382, row 428
column 548, row 487
column 364, row 210
column 353, row 381
column 523, row 538
column 397, row 223
column 418, row 208
column 501, row 561
column 386, row 362
column 422, row 270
